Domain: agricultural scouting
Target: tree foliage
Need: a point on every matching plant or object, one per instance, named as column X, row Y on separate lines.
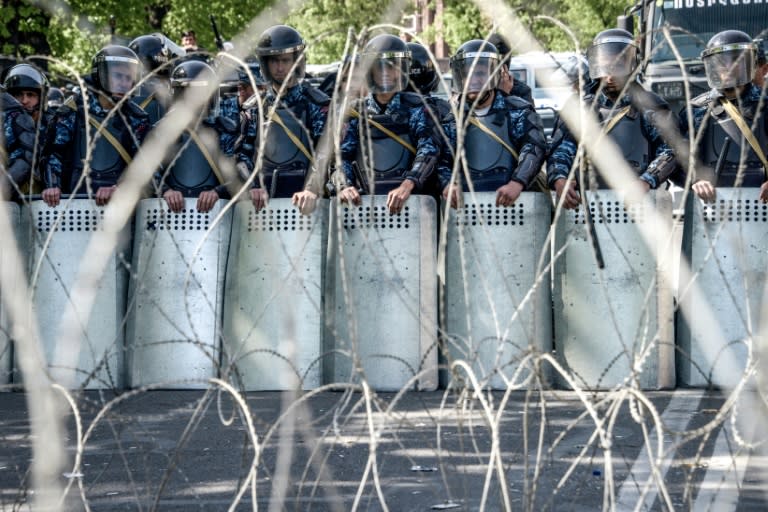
column 75, row 29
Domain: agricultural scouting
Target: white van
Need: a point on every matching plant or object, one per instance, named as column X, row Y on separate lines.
column 530, row 69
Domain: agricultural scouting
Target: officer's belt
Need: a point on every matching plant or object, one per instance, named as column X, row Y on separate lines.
column 389, row 133
column 745, row 131
column 111, row 139
column 296, row 141
column 208, row 157
column 473, row 120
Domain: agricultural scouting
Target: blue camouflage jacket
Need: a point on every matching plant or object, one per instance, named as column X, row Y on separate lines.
column 301, row 97
column 526, row 134
column 422, row 130
column 60, row 151
column 653, row 110
column 18, row 139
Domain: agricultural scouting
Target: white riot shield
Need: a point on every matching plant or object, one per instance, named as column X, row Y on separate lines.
column 381, row 299
column 726, row 247
column 614, row 324
column 60, row 238
column 176, row 294
column 13, row 211
column 273, row 301
column 497, row 295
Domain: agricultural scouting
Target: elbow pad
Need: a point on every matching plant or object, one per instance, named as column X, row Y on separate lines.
column 529, row 166
column 661, row 168
column 422, row 169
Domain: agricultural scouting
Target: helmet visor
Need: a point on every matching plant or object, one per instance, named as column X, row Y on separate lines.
column 389, row 73
column 118, row 74
column 611, row 58
column 476, row 72
column 729, row 68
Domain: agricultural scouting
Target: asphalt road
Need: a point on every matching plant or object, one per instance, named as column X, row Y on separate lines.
column 445, row 450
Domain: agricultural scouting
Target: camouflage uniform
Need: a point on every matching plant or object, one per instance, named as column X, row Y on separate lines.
column 707, row 110
column 421, row 131
column 17, row 144
column 526, row 134
column 652, row 110
column 62, row 166
column 307, row 104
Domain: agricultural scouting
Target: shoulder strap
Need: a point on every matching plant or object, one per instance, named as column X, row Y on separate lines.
column 389, row 133
column 745, row 131
column 206, row 154
column 611, row 124
column 296, row 141
column 473, row 120
column 147, row 101
column 111, row 139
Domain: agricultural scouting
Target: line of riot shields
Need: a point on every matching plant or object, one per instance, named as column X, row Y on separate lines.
column 184, row 220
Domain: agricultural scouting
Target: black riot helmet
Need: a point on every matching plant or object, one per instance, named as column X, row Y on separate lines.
column 191, row 78
column 115, row 70
column 502, row 47
column 155, row 51
column 281, row 40
column 54, row 98
column 423, row 76
column 388, row 62
column 729, row 59
column 613, row 52
column 475, row 67
column 26, row 77
column 255, row 68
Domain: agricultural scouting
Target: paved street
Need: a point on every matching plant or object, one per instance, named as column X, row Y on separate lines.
column 193, row 450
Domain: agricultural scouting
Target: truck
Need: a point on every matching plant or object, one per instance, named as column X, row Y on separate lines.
column 691, row 24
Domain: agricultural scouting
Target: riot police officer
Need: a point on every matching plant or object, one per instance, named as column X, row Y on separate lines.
column 16, row 145
column 196, row 166
column 504, row 140
column 423, row 80
column 158, row 55
column 297, row 114
column 732, row 109
column 402, row 134
column 114, row 73
column 633, row 118
column 29, row 86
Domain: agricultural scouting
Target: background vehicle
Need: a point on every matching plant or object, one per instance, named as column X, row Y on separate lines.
column 530, row 68
column 691, row 24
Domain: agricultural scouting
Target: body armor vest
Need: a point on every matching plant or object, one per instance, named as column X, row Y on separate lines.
column 721, row 126
column 191, row 173
column 285, row 166
column 490, row 164
column 106, row 164
column 628, row 135
column 390, row 159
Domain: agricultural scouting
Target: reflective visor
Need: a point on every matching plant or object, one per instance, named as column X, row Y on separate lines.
column 729, row 66
column 476, row 72
column 614, row 58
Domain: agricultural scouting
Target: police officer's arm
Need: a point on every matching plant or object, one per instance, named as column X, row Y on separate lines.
column 347, row 191
column 703, row 179
column 245, row 154
column 318, row 114
column 58, row 153
column 424, row 163
column 662, row 132
column 20, row 143
column 528, row 135
column 560, row 160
